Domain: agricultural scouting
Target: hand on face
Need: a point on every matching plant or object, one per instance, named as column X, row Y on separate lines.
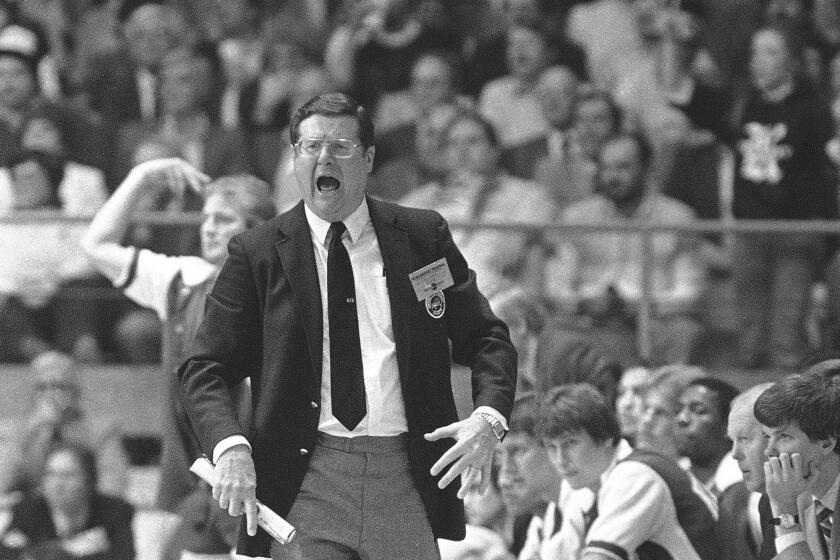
column 786, row 478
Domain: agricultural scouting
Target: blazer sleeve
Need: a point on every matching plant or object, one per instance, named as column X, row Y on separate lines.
column 480, row 340
column 227, row 349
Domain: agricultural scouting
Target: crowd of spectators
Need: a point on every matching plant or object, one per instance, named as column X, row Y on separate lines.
column 525, row 113
column 522, row 112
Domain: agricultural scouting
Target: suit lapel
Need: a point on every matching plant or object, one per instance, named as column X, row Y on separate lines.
column 294, row 247
column 394, row 246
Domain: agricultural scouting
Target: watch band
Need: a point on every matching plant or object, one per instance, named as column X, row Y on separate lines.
column 785, row 520
column 497, row 427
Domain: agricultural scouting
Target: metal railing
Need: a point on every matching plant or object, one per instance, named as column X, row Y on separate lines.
column 724, row 226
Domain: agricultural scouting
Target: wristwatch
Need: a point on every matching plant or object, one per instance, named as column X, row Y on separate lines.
column 498, row 428
column 786, row 520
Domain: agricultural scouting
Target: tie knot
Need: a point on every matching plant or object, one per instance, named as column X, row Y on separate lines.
column 337, row 229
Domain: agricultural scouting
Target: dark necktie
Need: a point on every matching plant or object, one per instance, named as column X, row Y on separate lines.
column 346, row 375
column 824, row 521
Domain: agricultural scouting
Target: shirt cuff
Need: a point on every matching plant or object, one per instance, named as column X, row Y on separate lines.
column 492, row 412
column 788, row 540
column 226, row 444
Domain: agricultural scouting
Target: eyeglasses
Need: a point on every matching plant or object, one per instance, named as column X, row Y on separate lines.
column 338, row 147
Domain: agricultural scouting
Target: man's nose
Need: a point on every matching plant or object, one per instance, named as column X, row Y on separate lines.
column 682, row 418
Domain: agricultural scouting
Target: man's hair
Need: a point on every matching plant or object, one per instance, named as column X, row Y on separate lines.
column 525, row 415
column 473, row 116
column 578, row 407
column 827, row 368
column 724, row 393
column 670, row 381
column 334, row 104
column 250, row 195
column 812, row 401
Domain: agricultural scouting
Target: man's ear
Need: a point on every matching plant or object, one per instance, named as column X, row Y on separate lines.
column 369, row 153
column 827, row 444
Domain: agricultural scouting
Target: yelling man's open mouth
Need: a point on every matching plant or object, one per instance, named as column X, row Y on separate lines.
column 326, row 183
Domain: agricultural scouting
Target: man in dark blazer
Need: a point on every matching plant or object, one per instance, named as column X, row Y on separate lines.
column 375, row 483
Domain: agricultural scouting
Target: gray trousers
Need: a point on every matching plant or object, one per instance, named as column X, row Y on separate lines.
column 358, row 502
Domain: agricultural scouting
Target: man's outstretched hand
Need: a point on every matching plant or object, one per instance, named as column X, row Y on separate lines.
column 471, row 456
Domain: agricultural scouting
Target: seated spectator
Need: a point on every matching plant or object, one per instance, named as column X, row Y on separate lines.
column 701, row 433
column 801, row 427
column 525, row 319
column 630, row 401
column 422, row 161
column 174, row 287
column 479, row 544
column 597, row 277
column 123, row 86
column 36, row 312
column 527, row 479
column 203, row 530
column 55, row 418
column 510, row 103
column 434, row 80
column 189, row 83
column 556, row 92
column 372, row 52
column 643, row 502
column 475, row 189
column 68, row 518
column 744, row 530
column 657, row 424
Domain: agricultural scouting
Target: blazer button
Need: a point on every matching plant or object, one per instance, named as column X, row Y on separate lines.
column 313, row 404
column 304, row 452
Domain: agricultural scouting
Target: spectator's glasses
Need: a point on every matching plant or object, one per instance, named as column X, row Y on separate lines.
column 338, row 147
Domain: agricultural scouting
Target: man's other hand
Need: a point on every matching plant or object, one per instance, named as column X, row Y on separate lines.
column 235, row 485
column 470, row 457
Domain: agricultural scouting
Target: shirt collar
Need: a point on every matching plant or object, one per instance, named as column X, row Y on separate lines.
column 829, row 499
column 354, row 223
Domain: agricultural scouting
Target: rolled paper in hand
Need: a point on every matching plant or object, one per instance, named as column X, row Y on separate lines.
column 273, row 524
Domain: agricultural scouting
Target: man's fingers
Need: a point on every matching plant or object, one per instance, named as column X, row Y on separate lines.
column 456, row 469
column 442, row 432
column 251, row 516
column 796, row 464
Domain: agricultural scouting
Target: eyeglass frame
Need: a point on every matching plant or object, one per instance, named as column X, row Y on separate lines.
column 302, row 152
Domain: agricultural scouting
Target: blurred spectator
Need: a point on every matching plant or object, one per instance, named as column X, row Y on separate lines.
column 272, row 150
column 423, row 160
column 189, row 84
column 56, row 418
column 570, row 169
column 510, row 103
column 479, row 544
column 475, row 189
column 257, row 95
column 37, row 308
column 701, row 433
column 782, row 172
column 657, row 424
column 203, row 530
column 372, row 52
column 630, row 401
column 68, row 519
column 565, row 359
column 525, row 319
column 174, row 287
column 125, row 85
column 527, row 479
column 598, row 276
column 556, row 92
column 434, row 80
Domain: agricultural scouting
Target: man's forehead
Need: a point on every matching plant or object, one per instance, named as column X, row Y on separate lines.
column 330, row 125
column 791, row 425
